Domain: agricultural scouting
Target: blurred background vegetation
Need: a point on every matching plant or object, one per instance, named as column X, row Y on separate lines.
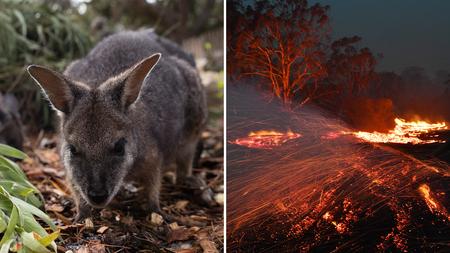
column 55, row 32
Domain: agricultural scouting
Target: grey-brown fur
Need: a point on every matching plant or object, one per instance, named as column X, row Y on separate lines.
column 98, row 108
column 10, row 123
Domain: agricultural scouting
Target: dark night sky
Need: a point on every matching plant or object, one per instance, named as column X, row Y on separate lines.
column 407, row 33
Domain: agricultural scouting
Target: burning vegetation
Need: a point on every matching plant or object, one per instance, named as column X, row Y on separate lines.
column 353, row 175
column 266, row 139
column 405, row 132
column 330, row 190
column 414, row 132
column 289, row 49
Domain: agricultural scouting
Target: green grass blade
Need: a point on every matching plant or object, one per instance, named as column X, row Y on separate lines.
column 33, row 210
column 11, row 152
column 13, row 219
column 32, row 243
column 5, row 247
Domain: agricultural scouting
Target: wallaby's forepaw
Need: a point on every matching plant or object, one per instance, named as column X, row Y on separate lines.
column 83, row 212
column 81, row 216
column 155, row 208
column 201, row 192
column 151, row 207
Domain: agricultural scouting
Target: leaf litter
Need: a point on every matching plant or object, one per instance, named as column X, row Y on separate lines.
column 188, row 227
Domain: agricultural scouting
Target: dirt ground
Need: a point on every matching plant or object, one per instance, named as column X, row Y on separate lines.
column 188, row 226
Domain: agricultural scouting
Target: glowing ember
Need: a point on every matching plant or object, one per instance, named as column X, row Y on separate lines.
column 266, row 139
column 433, row 205
column 331, row 193
column 405, row 132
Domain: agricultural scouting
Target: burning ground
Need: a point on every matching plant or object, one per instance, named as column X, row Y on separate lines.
column 328, row 191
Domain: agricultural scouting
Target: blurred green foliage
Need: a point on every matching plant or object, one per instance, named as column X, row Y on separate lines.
column 220, row 85
column 55, row 32
column 34, row 32
column 19, row 202
column 174, row 19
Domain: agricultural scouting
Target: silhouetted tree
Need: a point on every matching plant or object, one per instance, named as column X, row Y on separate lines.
column 350, row 69
column 282, row 42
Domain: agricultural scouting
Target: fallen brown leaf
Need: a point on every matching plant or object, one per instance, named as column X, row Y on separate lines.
column 88, row 224
column 185, row 251
column 92, row 248
column 208, row 246
column 156, row 219
column 181, row 234
column 174, row 226
column 56, row 207
column 102, row 229
column 181, row 204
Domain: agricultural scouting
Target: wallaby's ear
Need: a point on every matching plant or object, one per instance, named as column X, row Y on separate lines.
column 55, row 86
column 135, row 78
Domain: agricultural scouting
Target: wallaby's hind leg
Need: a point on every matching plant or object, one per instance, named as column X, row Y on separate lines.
column 148, row 175
column 184, row 161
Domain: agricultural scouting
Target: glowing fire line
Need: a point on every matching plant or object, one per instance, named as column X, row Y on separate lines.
column 266, row 139
column 404, row 132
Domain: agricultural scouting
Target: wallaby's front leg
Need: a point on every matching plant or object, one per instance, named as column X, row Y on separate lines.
column 152, row 190
column 82, row 207
column 184, row 162
column 149, row 177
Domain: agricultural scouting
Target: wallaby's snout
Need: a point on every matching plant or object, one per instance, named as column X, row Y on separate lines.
column 97, row 194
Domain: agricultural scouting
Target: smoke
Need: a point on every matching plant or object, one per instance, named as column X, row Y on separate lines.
column 368, row 114
column 415, row 95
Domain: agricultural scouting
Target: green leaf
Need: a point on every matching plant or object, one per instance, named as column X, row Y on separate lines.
column 11, row 152
column 47, row 240
column 24, row 206
column 5, row 247
column 31, row 225
column 21, row 19
column 8, row 235
column 3, row 223
column 32, row 243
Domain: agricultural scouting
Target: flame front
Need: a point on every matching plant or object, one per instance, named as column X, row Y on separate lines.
column 265, row 139
column 405, row 132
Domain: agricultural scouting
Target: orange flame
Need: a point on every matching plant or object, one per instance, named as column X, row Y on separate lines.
column 432, row 204
column 266, row 139
column 405, row 132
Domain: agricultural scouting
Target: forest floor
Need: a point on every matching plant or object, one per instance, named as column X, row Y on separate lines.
column 191, row 226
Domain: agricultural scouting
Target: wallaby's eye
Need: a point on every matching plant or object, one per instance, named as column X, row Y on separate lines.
column 73, row 150
column 119, row 147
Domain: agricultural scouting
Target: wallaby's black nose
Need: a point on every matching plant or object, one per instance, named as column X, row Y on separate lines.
column 98, row 196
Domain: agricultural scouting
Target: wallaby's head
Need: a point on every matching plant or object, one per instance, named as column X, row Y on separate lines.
column 98, row 145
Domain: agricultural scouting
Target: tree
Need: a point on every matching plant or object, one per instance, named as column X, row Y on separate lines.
column 282, row 42
column 350, row 70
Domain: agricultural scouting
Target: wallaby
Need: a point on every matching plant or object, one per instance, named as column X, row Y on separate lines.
column 10, row 123
column 131, row 108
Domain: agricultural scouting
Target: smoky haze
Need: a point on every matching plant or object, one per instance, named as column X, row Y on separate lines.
column 413, row 42
column 406, row 33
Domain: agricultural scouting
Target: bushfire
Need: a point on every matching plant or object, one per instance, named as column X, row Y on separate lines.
column 318, row 188
column 266, row 139
column 414, row 132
